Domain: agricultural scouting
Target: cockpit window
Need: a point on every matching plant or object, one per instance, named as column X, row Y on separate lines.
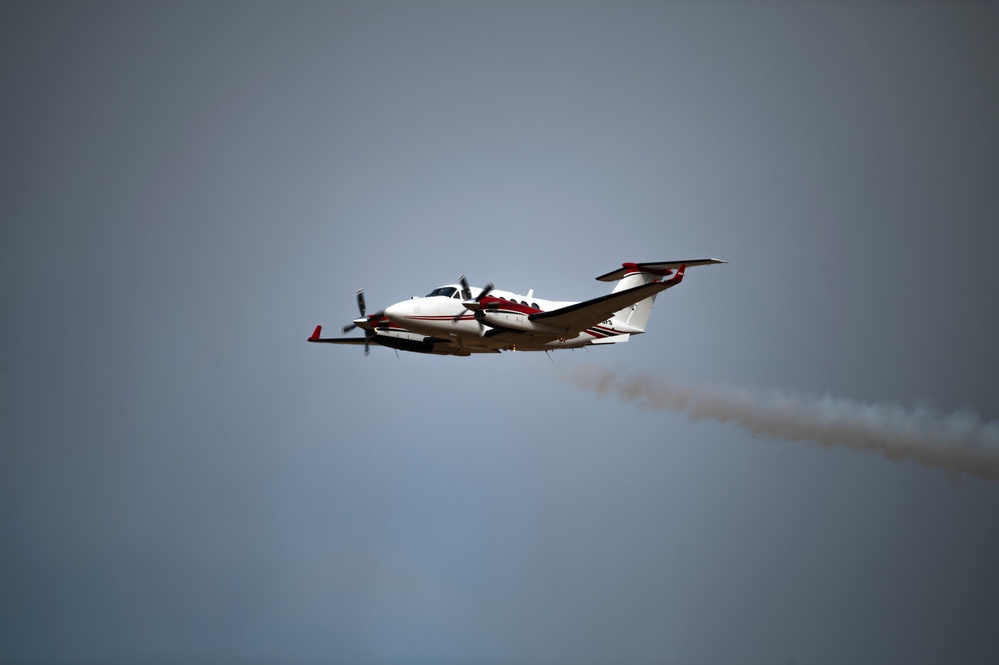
column 445, row 291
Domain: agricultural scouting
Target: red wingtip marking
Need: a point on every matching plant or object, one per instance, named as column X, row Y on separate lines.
column 315, row 333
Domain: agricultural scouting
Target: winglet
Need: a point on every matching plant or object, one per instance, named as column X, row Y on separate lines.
column 315, row 334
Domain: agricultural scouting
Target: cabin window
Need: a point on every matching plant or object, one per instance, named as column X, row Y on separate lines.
column 535, row 305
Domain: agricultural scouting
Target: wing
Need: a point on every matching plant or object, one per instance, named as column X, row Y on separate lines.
column 334, row 340
column 341, row 340
column 507, row 336
column 588, row 313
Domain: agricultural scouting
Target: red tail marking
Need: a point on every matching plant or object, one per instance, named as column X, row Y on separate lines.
column 634, row 267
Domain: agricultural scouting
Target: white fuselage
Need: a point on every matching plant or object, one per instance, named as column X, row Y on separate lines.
column 435, row 315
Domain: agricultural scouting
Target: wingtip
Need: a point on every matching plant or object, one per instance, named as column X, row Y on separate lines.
column 315, row 334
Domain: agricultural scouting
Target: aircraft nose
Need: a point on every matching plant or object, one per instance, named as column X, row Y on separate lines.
column 398, row 312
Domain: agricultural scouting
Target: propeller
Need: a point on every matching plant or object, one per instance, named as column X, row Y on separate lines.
column 360, row 306
column 366, row 322
column 469, row 302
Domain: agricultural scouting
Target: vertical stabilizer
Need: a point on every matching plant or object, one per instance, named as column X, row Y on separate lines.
column 630, row 275
column 636, row 316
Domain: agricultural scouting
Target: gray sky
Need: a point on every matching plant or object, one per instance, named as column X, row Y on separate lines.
column 188, row 188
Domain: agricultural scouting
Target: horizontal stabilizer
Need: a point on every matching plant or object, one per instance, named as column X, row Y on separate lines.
column 658, row 267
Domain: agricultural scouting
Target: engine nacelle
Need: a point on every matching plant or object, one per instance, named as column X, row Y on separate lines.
column 517, row 321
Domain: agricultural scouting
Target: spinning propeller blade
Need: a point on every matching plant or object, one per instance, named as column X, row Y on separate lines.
column 360, row 306
column 466, row 294
column 368, row 322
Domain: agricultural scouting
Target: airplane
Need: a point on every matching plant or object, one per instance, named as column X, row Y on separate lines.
column 459, row 320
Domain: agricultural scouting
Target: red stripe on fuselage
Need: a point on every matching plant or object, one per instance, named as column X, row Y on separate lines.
column 510, row 306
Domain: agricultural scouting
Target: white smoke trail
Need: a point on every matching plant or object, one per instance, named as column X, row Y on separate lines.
column 957, row 443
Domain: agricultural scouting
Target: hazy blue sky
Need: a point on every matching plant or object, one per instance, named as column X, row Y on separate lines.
column 187, row 189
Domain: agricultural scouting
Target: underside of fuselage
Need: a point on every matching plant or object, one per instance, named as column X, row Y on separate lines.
column 495, row 341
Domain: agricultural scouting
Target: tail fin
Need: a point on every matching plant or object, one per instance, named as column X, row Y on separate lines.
column 630, row 275
column 637, row 315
